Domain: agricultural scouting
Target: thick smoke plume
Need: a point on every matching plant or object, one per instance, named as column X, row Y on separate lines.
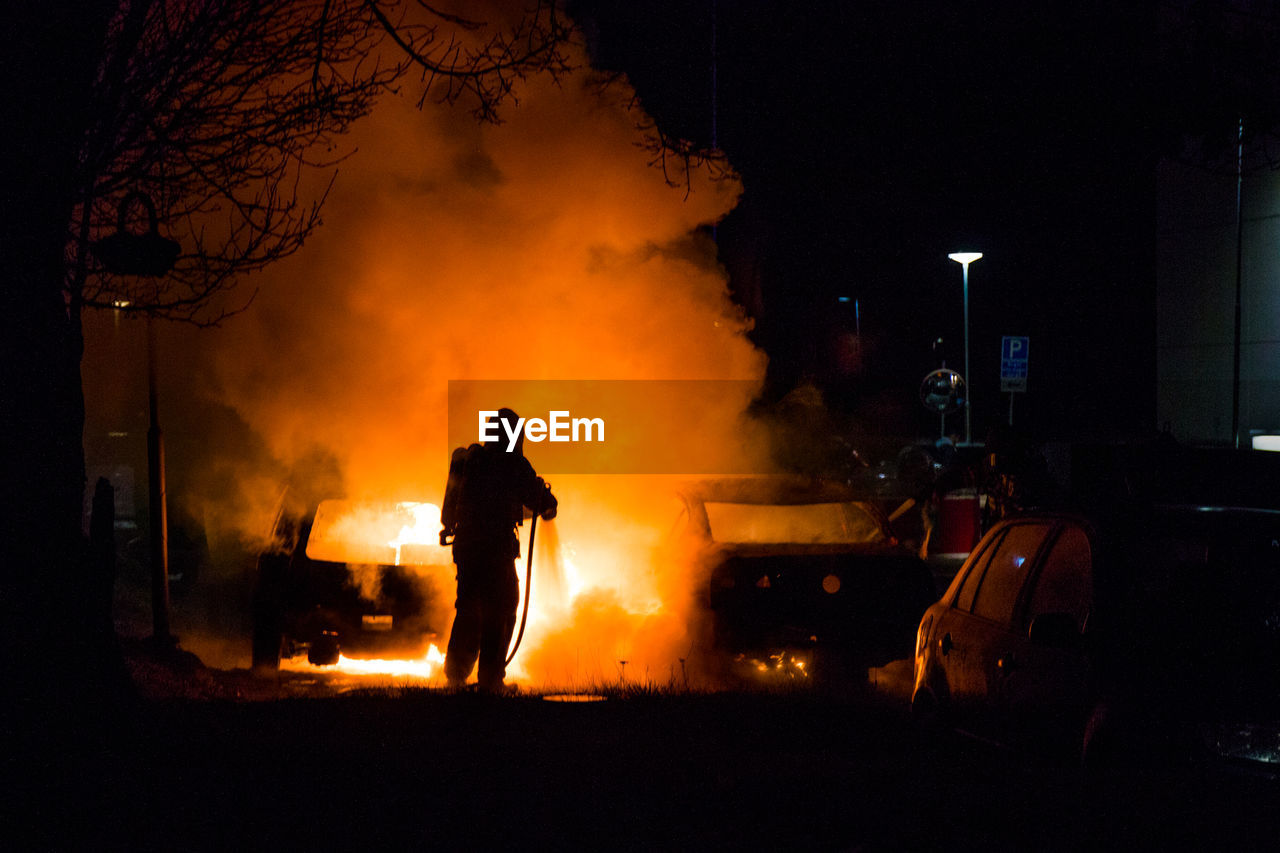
column 543, row 248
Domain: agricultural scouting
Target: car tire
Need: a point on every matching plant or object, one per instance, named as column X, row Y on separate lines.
column 267, row 614
column 325, row 649
column 929, row 716
column 267, row 639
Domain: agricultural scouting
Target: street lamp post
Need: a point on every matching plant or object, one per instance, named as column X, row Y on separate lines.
column 964, row 259
column 151, row 255
column 157, row 502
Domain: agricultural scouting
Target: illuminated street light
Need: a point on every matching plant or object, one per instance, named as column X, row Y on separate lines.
column 964, row 259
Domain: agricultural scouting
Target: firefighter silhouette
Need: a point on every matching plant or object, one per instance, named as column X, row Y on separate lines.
column 485, row 498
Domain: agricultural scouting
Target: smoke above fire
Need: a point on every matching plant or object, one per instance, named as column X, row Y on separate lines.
column 547, row 247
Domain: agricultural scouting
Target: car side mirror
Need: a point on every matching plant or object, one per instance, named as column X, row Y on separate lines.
column 1055, row 630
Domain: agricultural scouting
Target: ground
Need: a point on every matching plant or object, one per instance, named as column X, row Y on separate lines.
column 222, row 759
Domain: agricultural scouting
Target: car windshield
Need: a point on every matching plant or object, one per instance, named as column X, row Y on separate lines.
column 839, row 523
column 405, row 533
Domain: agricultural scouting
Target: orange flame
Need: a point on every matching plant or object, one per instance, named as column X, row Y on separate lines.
column 424, row 668
column 544, row 248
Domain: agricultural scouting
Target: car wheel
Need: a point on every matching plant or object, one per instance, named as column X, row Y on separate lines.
column 929, row 716
column 267, row 615
column 267, row 639
column 325, row 649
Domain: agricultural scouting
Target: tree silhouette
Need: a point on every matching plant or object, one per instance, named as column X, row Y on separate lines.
column 215, row 110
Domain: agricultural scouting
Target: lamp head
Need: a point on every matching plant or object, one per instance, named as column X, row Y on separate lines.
column 965, row 258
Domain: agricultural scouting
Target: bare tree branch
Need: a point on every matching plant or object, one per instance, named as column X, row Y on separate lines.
column 487, row 70
column 678, row 158
column 217, row 109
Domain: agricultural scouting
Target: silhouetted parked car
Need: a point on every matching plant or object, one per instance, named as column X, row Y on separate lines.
column 1154, row 639
column 799, row 566
column 362, row 579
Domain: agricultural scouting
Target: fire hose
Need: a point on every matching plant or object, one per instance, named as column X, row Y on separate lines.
column 528, row 583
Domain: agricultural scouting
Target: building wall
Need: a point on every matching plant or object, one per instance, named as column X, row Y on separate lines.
column 1195, row 304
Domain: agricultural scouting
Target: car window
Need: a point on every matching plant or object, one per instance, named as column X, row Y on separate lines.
column 405, row 533
column 998, row 589
column 1065, row 583
column 845, row 522
column 964, row 598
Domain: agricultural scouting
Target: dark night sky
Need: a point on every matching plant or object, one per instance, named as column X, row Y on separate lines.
column 874, row 138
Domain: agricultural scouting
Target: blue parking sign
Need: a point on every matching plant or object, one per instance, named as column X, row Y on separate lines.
column 1014, row 353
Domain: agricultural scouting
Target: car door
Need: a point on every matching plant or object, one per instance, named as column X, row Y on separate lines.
column 980, row 634
column 945, row 663
column 1043, row 680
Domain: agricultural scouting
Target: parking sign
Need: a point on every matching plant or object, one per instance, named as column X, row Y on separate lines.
column 1014, row 351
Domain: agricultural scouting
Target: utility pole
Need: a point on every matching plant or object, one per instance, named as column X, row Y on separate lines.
column 1235, row 364
column 159, row 516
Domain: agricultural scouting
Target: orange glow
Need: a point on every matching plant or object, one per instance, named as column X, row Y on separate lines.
column 544, row 248
column 403, row 533
column 573, row 697
column 776, row 668
column 424, row 530
column 425, row 668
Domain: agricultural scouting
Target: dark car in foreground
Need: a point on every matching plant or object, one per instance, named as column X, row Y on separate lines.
column 357, row 578
column 1150, row 638
column 802, row 576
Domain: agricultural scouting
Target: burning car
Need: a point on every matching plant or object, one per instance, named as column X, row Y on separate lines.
column 802, row 569
column 360, row 579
